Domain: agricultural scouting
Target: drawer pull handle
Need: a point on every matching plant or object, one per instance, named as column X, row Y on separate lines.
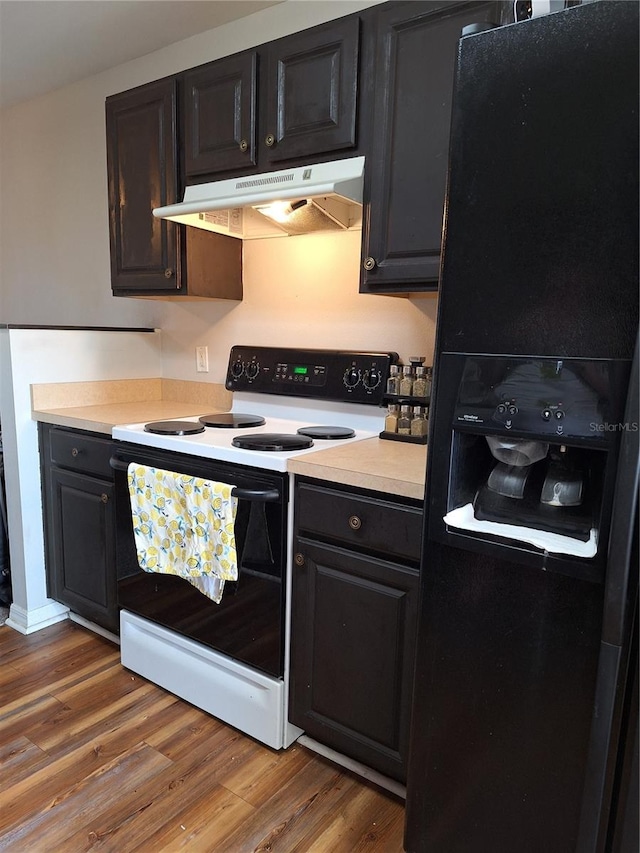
column 355, row 523
column 104, row 498
column 75, row 452
column 244, row 145
column 269, row 140
column 299, row 559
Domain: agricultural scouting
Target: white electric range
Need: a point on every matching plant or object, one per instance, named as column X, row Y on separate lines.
column 232, row 658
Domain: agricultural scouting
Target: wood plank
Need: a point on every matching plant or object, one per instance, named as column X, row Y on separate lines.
column 21, row 721
column 18, row 801
column 127, row 766
column 25, row 688
column 183, row 795
column 19, row 758
column 75, row 806
column 365, row 819
column 287, row 816
column 267, row 770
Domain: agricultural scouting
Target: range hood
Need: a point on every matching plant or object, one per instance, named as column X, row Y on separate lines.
column 302, row 200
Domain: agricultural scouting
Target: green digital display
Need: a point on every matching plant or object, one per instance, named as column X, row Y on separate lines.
column 301, row 371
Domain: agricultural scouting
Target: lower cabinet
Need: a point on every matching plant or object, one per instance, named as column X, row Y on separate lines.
column 354, row 617
column 77, row 491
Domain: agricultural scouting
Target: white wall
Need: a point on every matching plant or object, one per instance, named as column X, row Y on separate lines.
column 33, row 356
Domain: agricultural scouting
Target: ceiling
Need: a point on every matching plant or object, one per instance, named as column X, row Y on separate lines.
column 46, row 44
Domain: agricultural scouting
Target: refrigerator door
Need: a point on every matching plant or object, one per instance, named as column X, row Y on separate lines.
column 541, row 231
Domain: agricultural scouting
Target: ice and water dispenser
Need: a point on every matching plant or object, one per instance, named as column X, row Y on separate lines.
column 533, row 442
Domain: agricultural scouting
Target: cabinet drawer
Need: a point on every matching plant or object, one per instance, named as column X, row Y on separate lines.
column 81, row 452
column 367, row 523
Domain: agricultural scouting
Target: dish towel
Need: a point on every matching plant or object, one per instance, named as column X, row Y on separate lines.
column 184, row 526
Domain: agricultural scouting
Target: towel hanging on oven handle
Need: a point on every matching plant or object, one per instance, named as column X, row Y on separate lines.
column 262, row 495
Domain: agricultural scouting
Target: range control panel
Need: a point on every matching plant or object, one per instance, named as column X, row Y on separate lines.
column 356, row 377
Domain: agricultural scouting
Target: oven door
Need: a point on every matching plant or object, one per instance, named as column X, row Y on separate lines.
column 248, row 624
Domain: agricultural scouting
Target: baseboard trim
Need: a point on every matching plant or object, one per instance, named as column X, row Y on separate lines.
column 30, row 621
column 350, row 764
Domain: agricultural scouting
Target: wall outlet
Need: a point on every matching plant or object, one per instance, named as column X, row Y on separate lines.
column 202, row 359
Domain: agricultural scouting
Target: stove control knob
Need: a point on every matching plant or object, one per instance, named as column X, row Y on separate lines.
column 546, row 414
column 252, row 369
column 351, row 377
column 237, row 369
column 371, row 378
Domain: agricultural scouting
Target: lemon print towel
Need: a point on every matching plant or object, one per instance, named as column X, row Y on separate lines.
column 184, row 526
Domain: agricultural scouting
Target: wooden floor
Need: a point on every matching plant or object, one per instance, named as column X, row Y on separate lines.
column 93, row 757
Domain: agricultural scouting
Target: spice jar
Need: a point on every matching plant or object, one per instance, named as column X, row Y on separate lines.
column 393, row 382
column 406, row 382
column 391, row 420
column 420, row 382
column 404, row 421
column 419, row 422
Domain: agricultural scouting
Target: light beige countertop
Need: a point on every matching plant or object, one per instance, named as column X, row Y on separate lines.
column 99, row 406
column 392, row 467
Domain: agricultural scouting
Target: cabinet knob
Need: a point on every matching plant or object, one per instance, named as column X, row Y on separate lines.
column 369, row 263
column 168, row 273
column 244, row 145
column 104, row 498
column 355, row 523
column 269, row 140
column 299, row 559
column 74, row 452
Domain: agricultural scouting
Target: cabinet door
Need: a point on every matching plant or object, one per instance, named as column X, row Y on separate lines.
column 80, row 545
column 353, row 640
column 220, row 116
column 405, row 178
column 142, row 174
column 311, row 92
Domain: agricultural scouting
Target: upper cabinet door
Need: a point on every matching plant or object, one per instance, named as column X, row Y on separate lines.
column 220, row 116
column 141, row 165
column 311, row 92
column 405, row 178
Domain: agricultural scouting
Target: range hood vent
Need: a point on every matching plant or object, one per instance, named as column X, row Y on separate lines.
column 303, row 200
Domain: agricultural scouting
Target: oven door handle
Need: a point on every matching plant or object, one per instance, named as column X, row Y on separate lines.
column 118, row 464
column 262, row 495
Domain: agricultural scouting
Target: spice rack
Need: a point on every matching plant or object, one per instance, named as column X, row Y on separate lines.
column 404, row 400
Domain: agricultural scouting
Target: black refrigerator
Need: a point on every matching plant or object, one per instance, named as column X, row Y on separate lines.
column 525, row 710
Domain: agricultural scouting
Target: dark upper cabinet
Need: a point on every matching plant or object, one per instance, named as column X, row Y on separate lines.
column 220, row 115
column 310, row 90
column 291, row 99
column 154, row 257
column 142, row 173
column 406, row 173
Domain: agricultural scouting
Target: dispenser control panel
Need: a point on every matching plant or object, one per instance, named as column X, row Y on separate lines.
column 548, row 398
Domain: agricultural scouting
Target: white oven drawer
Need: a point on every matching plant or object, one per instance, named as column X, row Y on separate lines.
column 236, row 694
